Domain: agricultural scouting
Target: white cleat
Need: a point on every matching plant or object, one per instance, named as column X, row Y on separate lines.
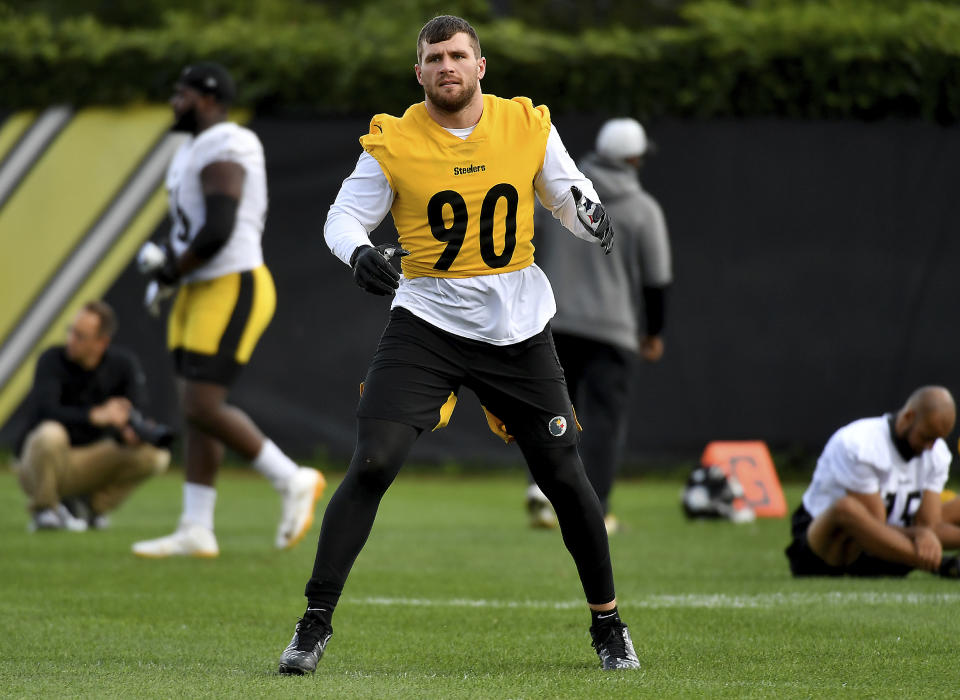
column 188, row 541
column 299, row 502
column 541, row 514
column 539, row 509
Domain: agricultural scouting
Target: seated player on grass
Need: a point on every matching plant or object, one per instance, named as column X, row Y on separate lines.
column 874, row 506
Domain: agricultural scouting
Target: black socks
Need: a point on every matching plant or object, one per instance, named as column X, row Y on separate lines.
column 600, row 618
column 317, row 612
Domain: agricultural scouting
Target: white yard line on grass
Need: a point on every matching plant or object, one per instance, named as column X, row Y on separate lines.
column 691, row 600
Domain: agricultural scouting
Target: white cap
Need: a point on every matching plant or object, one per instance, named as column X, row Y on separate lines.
column 621, row 138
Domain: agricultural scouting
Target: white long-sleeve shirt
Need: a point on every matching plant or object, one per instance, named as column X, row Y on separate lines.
column 499, row 309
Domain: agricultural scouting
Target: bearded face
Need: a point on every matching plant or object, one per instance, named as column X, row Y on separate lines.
column 186, row 121
column 184, row 104
column 451, row 97
column 450, row 72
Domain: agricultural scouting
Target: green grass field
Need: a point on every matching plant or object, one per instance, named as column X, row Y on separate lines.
column 454, row 597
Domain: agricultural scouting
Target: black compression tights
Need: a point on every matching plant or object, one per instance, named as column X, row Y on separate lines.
column 559, row 473
column 382, row 447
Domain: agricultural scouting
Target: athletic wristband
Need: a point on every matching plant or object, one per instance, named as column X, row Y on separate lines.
column 654, row 308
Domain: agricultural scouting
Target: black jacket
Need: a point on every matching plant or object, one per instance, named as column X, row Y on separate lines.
column 64, row 392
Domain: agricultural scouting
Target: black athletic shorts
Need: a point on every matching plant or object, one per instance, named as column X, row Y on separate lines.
column 805, row 562
column 417, row 367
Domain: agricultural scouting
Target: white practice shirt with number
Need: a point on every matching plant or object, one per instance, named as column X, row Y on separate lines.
column 861, row 458
column 223, row 142
column 499, row 309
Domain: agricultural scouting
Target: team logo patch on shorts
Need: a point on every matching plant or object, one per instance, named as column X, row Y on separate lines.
column 557, row 426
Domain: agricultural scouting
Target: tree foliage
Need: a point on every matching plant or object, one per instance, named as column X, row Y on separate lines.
column 819, row 59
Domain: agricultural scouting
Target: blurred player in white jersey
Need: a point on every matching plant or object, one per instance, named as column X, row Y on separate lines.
column 874, row 506
column 225, row 299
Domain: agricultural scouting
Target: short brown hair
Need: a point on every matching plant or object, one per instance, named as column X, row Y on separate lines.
column 104, row 312
column 442, row 28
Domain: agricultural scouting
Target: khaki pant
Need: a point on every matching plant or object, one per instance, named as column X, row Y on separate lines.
column 106, row 472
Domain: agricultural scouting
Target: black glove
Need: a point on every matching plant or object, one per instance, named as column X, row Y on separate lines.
column 372, row 270
column 593, row 216
column 168, row 274
column 159, row 262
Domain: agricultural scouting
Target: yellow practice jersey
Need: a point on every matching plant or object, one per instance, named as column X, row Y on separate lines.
column 463, row 207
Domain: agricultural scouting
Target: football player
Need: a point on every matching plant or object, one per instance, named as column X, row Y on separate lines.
column 460, row 173
column 224, row 300
column 874, row 506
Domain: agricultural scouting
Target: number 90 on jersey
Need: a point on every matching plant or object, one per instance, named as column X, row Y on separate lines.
column 453, row 230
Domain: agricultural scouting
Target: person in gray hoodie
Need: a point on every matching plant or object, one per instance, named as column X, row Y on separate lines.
column 597, row 328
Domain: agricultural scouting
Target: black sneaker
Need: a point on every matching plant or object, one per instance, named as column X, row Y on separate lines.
column 614, row 646
column 950, row 567
column 305, row 649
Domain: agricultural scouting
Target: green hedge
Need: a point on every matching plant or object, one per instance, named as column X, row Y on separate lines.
column 827, row 59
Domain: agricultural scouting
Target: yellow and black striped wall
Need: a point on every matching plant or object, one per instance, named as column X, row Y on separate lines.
column 80, row 190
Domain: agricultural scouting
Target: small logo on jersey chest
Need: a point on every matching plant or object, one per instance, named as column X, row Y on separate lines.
column 557, row 426
column 469, row 170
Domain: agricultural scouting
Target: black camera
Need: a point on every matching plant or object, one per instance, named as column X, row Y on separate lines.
column 148, row 430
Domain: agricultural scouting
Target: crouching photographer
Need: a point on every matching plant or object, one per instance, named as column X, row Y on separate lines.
column 87, row 445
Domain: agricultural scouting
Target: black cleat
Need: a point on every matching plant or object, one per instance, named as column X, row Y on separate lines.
column 614, row 647
column 305, row 649
column 950, row 567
